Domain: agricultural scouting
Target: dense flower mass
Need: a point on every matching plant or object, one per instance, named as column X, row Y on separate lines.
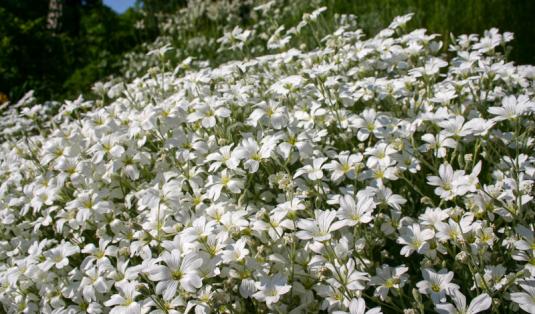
column 363, row 176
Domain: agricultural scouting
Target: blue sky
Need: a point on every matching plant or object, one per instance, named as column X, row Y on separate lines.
column 119, row 6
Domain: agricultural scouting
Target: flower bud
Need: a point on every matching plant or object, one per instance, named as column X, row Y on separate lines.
column 462, row 257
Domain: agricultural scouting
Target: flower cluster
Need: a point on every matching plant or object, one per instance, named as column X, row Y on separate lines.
column 364, row 176
column 229, row 30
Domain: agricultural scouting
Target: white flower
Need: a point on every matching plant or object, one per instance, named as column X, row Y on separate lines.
column 278, row 40
column 437, row 285
column 55, row 149
column 366, row 124
column 444, row 95
column 358, row 306
column 431, row 67
column 512, row 107
column 177, row 272
column 438, row 144
column 224, row 180
column 493, row 277
column 223, row 156
column 320, row 228
column 94, row 281
column 292, row 206
column 253, row 154
column 86, row 204
column 456, row 127
column 526, row 298
column 478, row 304
column 384, row 195
column 380, row 173
column 433, row 217
column 387, row 278
column 348, row 276
column 314, row 14
column 527, row 241
column 124, row 302
column 287, row 85
column 247, row 288
column 273, row 113
column 346, row 165
column 99, row 254
column 107, row 146
column 313, row 171
column 414, row 239
column 235, row 39
column 454, row 230
column 379, row 154
column 271, row 288
column 234, row 221
column 356, row 213
column 200, row 228
column 58, row 256
column 449, row 183
column 236, row 252
column 160, row 51
column 332, row 297
column 208, row 113
column 400, row 21
column 276, row 225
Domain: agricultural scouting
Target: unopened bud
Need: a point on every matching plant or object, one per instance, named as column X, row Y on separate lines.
column 426, row 201
column 462, row 257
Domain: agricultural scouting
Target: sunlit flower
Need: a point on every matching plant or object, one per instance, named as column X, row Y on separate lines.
column 526, row 298
column 58, row 257
column 414, row 239
column 314, row 171
column 387, row 278
column 271, row 288
column 479, row 304
column 437, row 285
column 512, row 107
column 320, row 228
column 125, row 301
column 353, row 213
column 178, row 272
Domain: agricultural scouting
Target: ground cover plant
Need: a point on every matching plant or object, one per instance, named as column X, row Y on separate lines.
column 353, row 175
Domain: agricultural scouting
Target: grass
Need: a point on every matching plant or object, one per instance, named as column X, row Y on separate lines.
column 452, row 16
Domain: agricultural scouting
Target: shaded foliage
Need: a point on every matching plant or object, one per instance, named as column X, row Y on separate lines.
column 62, row 63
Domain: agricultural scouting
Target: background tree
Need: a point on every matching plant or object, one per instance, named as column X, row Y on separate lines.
column 60, row 47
